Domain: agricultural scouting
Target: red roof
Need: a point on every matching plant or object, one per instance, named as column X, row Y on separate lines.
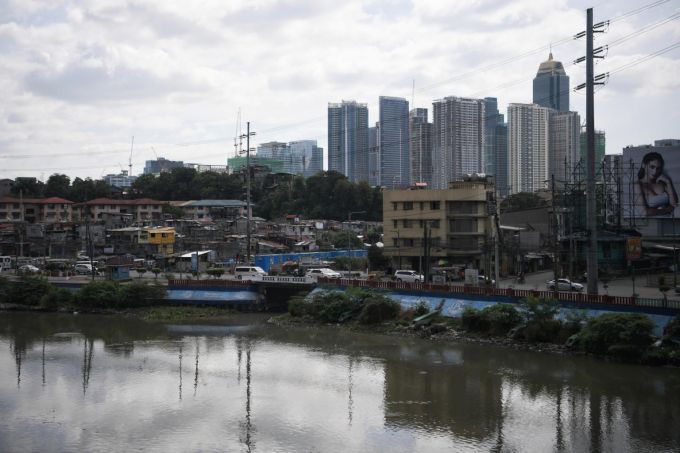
column 123, row 202
column 51, row 200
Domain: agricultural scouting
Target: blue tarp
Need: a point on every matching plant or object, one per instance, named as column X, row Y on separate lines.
column 224, row 296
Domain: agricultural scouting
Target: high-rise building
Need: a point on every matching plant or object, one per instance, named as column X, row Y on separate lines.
column 121, row 180
column 348, row 140
column 501, row 171
column 551, row 85
column 394, row 157
column 155, row 167
column 528, row 146
column 458, row 139
column 600, row 151
column 373, row 153
column 421, row 147
column 565, row 129
column 310, row 156
column 492, row 119
column 272, row 150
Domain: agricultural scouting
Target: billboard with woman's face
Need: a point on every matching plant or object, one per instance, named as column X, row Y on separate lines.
column 649, row 183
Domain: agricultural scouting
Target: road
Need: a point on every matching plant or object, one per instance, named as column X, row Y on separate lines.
column 619, row 287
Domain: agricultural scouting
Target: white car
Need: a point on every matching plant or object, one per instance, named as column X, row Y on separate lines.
column 564, row 284
column 408, row 276
column 323, row 272
column 249, row 272
column 28, row 269
column 83, row 269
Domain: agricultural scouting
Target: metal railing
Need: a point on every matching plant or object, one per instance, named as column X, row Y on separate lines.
column 563, row 296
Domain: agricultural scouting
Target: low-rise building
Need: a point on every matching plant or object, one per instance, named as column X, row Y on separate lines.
column 213, row 209
column 457, row 219
column 143, row 209
column 36, row 210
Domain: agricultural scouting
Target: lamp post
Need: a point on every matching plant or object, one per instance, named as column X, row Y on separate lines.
column 349, row 239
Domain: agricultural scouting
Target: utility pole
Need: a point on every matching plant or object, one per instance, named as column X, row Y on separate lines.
column 591, row 202
column 349, row 241
column 248, row 214
column 554, row 235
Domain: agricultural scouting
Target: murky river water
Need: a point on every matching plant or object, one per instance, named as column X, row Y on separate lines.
column 94, row 383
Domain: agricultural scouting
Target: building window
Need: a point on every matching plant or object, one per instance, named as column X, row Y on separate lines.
column 394, row 205
column 463, row 226
column 395, row 242
column 408, row 242
column 50, row 206
column 435, row 205
column 408, row 206
column 422, row 205
column 434, row 223
column 407, row 223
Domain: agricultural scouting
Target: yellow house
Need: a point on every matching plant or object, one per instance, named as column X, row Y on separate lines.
column 162, row 237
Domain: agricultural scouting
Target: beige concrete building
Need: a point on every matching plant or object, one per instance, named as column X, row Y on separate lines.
column 143, row 209
column 35, row 210
column 461, row 229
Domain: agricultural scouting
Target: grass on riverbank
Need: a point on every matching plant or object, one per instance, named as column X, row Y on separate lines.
column 169, row 313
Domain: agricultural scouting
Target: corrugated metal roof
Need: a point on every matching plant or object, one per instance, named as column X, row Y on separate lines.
column 217, row 203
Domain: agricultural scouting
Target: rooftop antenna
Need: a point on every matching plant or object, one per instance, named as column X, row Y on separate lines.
column 130, row 160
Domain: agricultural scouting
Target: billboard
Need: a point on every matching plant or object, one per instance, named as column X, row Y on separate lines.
column 650, row 182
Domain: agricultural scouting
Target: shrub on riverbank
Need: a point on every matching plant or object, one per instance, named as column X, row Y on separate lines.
column 617, row 334
column 366, row 307
column 495, row 319
column 26, row 290
column 111, row 295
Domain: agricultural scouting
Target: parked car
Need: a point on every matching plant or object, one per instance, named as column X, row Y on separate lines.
column 83, row 269
column 28, row 269
column 248, row 272
column 323, row 272
column 564, row 284
column 486, row 280
column 408, row 276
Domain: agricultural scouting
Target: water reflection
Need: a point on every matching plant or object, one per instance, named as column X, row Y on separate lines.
column 313, row 390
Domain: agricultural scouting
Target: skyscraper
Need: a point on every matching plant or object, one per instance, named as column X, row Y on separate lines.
column 310, row 154
column 528, row 146
column 565, row 129
column 501, row 158
column 348, row 139
column 458, row 139
column 551, row 85
column 394, row 157
column 421, row 147
column 491, row 119
column 373, row 153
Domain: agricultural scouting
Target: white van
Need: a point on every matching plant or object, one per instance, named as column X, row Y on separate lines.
column 248, row 272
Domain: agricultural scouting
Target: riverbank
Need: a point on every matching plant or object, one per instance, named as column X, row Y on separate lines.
column 445, row 330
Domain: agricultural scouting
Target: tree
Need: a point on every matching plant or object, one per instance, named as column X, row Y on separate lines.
column 28, row 187
column 58, row 185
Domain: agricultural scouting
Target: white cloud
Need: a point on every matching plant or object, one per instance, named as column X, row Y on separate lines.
column 86, row 75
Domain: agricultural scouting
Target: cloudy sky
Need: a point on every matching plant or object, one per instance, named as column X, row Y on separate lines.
column 80, row 78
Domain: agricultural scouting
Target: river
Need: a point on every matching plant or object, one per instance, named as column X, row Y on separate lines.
column 110, row 383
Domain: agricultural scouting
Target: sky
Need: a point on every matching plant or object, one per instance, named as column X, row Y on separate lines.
column 80, row 78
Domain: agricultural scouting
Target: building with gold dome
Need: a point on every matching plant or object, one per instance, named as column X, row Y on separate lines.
column 551, row 85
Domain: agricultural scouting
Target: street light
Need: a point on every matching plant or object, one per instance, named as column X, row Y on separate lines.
column 349, row 239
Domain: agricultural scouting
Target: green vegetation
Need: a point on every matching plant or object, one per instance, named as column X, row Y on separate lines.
column 216, row 272
column 97, row 295
column 625, row 337
column 614, row 333
column 354, row 305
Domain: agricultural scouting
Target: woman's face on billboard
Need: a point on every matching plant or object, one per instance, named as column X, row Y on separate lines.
column 654, row 168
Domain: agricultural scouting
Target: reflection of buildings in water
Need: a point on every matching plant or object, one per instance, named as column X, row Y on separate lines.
column 180, row 370
column 88, row 353
column 246, row 426
column 120, row 349
column 196, row 370
column 464, row 399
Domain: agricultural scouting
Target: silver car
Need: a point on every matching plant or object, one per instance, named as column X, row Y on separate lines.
column 564, row 284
